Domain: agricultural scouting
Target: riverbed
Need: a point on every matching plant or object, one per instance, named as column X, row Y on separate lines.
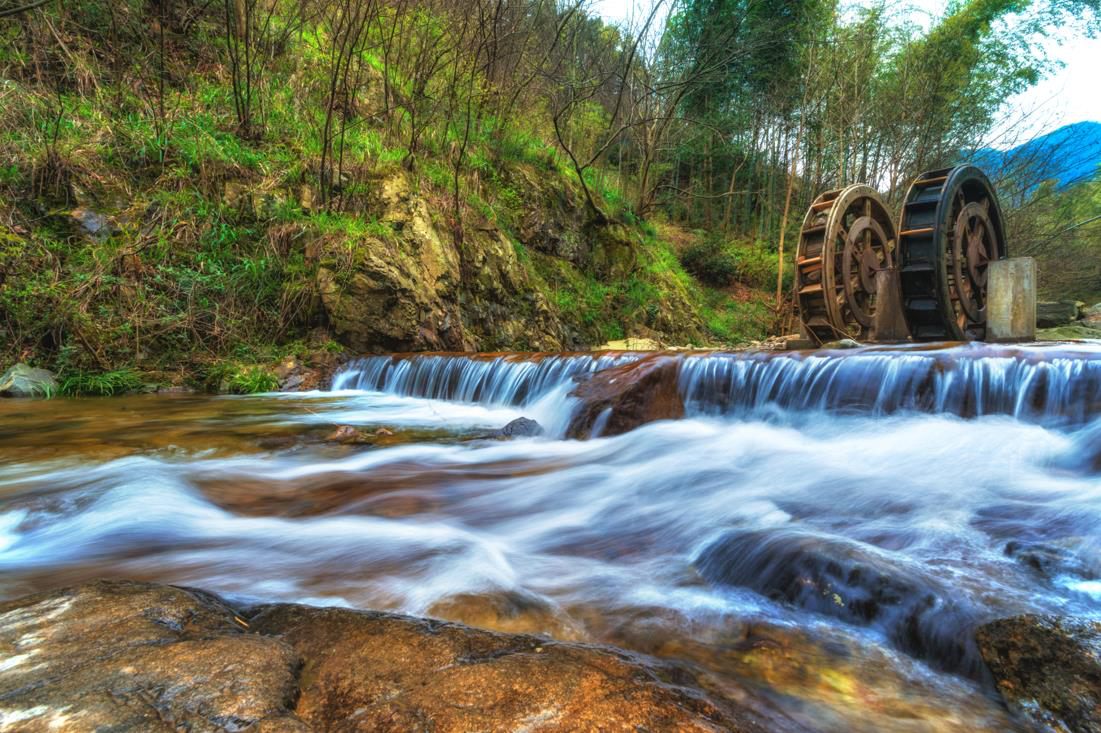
column 822, row 532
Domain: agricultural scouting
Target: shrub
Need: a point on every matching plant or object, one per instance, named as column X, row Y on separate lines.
column 711, row 262
column 720, row 263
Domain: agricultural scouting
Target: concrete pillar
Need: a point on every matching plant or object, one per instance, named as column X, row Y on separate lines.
column 890, row 322
column 1011, row 300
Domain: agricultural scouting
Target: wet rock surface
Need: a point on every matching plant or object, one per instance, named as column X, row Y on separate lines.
column 844, row 580
column 1047, row 668
column 521, row 427
column 620, row 399
column 124, row 656
column 127, row 656
column 367, row 671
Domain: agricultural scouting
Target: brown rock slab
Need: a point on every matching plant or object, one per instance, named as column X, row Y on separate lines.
column 1047, row 668
column 127, row 656
column 124, row 656
column 371, row 671
column 618, row 400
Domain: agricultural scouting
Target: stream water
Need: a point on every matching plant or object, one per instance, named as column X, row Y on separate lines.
column 821, row 534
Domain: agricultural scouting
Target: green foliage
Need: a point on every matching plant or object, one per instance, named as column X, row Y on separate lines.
column 217, row 249
column 250, row 380
column 720, row 262
column 100, row 384
column 236, row 378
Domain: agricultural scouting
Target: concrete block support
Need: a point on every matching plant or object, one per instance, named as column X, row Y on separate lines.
column 1011, row 300
column 889, row 325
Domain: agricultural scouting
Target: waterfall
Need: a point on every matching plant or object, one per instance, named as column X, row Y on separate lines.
column 490, row 379
column 1049, row 385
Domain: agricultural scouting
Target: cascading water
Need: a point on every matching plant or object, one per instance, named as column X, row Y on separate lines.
column 490, row 380
column 1048, row 385
column 823, row 529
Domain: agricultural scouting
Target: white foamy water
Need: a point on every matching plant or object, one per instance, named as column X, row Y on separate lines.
column 898, row 498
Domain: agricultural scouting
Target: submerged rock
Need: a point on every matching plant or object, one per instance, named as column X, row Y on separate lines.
column 852, row 582
column 1047, row 668
column 1050, row 560
column 619, row 399
column 25, row 381
column 350, row 435
column 128, row 656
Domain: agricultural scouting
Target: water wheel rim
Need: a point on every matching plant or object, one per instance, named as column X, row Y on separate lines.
column 944, row 283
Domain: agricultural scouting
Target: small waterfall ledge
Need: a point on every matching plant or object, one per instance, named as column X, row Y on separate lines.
column 1051, row 385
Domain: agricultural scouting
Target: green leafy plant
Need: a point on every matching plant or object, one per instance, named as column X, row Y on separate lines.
column 100, row 384
column 252, row 379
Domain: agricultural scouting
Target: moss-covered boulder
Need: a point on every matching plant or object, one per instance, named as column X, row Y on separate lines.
column 25, row 381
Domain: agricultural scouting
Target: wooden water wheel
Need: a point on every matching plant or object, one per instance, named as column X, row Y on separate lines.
column 847, row 236
column 950, row 229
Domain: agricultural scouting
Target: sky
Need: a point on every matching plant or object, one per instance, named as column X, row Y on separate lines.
column 1069, row 94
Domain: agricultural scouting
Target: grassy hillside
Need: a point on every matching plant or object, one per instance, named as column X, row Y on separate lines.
column 143, row 231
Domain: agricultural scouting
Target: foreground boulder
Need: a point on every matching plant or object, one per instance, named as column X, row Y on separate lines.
column 367, row 671
column 24, row 381
column 125, row 656
column 139, row 657
column 1048, row 668
column 616, row 400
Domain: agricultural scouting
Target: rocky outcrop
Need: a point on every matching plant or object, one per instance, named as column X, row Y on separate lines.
column 125, row 656
column 1067, row 320
column 1052, row 314
column 616, row 400
column 406, row 285
column 397, row 287
column 24, row 381
column 1047, row 668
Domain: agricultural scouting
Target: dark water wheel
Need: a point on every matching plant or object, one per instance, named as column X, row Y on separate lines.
column 950, row 230
column 847, row 236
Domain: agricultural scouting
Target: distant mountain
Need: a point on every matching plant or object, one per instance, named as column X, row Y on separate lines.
column 1069, row 155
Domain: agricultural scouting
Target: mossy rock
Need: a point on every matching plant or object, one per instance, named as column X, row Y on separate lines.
column 1070, row 332
column 26, row 381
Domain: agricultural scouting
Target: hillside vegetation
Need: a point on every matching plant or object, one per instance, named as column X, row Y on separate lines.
column 192, row 188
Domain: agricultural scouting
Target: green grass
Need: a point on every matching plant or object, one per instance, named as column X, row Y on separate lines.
column 100, row 384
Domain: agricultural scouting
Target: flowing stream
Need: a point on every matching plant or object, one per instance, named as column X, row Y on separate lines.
column 820, row 535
